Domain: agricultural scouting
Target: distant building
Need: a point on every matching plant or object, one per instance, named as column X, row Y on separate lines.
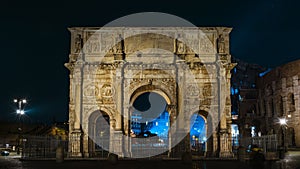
column 8, row 134
column 261, row 97
column 11, row 131
column 244, row 95
column 278, row 94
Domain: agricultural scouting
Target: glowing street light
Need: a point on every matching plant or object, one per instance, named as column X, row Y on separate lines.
column 20, row 111
column 21, row 104
column 282, row 121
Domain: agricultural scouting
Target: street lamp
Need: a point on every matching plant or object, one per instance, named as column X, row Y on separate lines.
column 20, row 111
column 21, row 104
column 283, row 124
column 282, row 121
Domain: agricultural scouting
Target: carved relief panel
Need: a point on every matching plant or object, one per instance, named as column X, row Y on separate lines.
column 207, row 43
column 93, row 45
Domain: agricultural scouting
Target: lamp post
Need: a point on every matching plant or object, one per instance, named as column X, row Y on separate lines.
column 283, row 124
column 20, row 112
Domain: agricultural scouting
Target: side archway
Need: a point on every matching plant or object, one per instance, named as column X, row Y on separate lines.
column 199, row 133
column 99, row 134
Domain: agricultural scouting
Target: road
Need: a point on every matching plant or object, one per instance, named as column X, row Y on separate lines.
column 292, row 161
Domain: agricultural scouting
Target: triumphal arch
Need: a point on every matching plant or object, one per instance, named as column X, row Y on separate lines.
column 185, row 70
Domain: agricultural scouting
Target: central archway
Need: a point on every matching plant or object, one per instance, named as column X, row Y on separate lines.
column 149, row 123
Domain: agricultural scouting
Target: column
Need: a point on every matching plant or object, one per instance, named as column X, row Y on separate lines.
column 172, row 117
column 117, row 133
column 85, row 140
column 75, row 135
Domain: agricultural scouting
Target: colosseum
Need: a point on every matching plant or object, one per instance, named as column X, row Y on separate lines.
column 279, row 103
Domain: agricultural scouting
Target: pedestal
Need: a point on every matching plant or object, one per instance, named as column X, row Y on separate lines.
column 75, row 144
column 225, row 146
column 117, row 143
column 179, row 146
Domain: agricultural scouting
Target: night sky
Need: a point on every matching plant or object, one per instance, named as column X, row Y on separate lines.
column 35, row 42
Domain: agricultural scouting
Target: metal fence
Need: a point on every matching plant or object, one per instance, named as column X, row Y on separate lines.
column 42, row 146
column 147, row 147
column 268, row 143
column 46, row 146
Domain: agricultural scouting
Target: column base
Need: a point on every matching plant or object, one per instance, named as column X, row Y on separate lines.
column 117, row 144
column 226, row 155
column 75, row 144
column 75, row 155
column 86, row 155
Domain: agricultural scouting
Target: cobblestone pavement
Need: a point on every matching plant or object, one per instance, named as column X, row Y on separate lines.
column 132, row 164
column 292, row 161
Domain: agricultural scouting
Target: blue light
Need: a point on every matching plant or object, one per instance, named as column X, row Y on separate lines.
column 265, row 72
column 234, row 113
column 232, row 91
column 159, row 126
column 236, row 91
column 197, row 128
column 162, row 127
column 235, row 134
column 240, row 98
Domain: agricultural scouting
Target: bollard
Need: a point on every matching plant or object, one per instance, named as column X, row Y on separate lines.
column 112, row 158
column 59, row 154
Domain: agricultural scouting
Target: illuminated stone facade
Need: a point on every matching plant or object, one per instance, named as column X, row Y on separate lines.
column 278, row 97
column 193, row 77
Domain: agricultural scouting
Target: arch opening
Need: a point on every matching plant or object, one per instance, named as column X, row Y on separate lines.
column 99, row 134
column 150, row 116
column 198, row 134
column 149, row 125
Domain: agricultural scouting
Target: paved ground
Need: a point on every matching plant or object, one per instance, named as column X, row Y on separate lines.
column 292, row 161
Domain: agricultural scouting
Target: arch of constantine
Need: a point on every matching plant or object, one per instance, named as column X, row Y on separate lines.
column 112, row 67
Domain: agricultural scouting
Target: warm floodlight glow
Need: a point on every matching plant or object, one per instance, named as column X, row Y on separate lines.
column 15, row 100
column 24, row 101
column 18, row 111
column 22, row 112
